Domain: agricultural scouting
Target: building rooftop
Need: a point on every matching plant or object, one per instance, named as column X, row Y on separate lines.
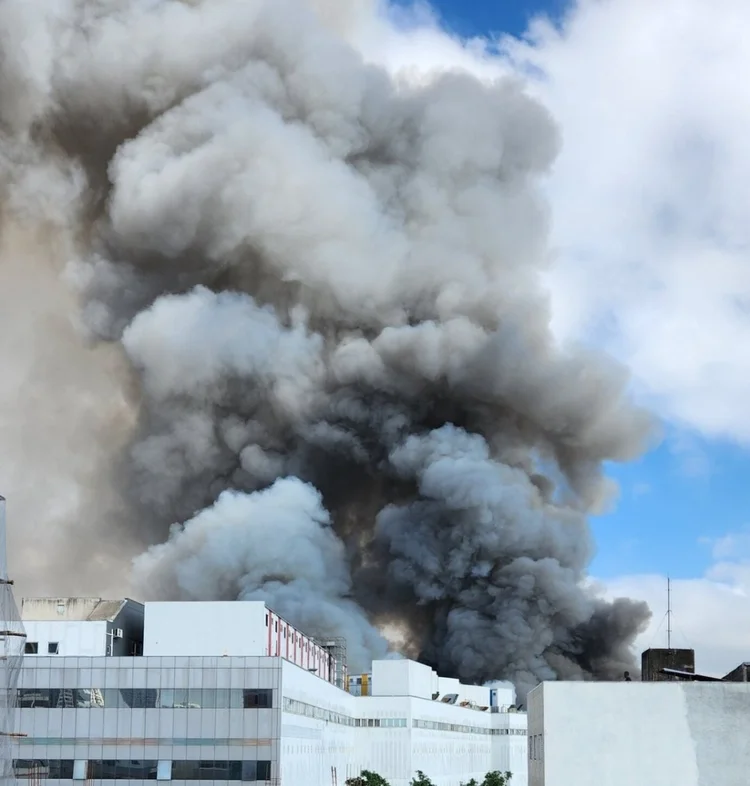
column 78, row 609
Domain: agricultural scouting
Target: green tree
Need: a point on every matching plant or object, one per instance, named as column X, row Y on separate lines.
column 496, row 778
column 421, row 780
column 367, row 778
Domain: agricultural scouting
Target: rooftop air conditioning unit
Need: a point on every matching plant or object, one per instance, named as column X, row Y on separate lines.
column 117, row 633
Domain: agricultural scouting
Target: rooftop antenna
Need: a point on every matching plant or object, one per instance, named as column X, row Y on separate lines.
column 669, row 613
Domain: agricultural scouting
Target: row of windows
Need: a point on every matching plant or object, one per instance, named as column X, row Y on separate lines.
column 310, row 711
column 139, row 698
column 536, row 747
column 32, row 648
column 144, row 770
column 457, row 727
column 296, row 638
column 134, row 741
column 382, row 723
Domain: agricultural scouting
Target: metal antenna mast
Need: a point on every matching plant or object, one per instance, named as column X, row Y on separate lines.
column 669, row 613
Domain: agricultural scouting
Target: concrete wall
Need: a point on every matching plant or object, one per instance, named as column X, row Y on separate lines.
column 403, row 678
column 84, row 626
column 317, row 730
column 205, row 629
column 72, row 637
column 218, row 628
column 396, row 732
column 408, row 678
column 650, row 734
column 535, row 732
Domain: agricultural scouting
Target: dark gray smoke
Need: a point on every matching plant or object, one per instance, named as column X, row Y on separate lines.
column 327, row 283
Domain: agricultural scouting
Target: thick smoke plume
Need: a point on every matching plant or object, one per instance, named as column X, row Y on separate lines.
column 318, row 348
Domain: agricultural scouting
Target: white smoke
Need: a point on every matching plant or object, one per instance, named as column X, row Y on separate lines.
column 275, row 545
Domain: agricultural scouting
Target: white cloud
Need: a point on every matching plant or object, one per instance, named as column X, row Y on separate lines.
column 709, row 613
column 651, row 190
column 733, row 546
column 651, row 193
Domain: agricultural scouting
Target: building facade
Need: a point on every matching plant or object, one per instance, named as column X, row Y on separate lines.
column 212, row 698
column 644, row 733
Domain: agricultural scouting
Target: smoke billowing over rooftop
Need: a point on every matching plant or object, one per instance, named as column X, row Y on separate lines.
column 312, row 331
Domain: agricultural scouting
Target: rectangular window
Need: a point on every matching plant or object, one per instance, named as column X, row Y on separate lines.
column 43, row 768
column 120, row 769
column 257, row 697
column 221, row 770
column 31, row 648
column 53, row 648
column 146, row 698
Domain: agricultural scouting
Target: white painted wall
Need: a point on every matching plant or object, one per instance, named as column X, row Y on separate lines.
column 400, row 744
column 213, row 628
column 400, row 677
column 217, row 628
column 393, row 678
column 644, row 733
column 311, row 746
column 74, row 637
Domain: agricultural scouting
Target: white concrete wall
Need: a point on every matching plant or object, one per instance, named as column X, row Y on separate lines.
column 74, row 637
column 535, row 721
column 311, row 746
column 400, row 677
column 217, row 628
column 391, row 678
column 644, row 733
column 504, row 695
column 214, row 628
column 510, row 752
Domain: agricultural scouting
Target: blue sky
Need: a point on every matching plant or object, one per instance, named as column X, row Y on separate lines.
column 690, row 490
column 485, row 18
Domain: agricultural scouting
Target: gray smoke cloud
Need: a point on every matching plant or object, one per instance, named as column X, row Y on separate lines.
column 319, row 286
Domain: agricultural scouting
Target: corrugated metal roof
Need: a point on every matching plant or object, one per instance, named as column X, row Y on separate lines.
column 91, row 609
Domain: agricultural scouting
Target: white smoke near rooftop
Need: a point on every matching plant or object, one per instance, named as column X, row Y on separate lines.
column 275, row 545
column 327, row 285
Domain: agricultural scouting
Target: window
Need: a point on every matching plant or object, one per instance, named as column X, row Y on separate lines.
column 146, row 698
column 53, row 648
column 275, row 626
column 43, row 768
column 108, row 769
column 221, row 770
column 266, row 620
column 31, row 648
column 256, row 697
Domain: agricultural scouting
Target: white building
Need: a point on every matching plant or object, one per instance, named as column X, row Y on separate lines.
column 82, row 626
column 231, row 691
column 639, row 734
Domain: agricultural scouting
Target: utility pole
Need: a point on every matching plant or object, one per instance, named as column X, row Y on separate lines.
column 669, row 613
